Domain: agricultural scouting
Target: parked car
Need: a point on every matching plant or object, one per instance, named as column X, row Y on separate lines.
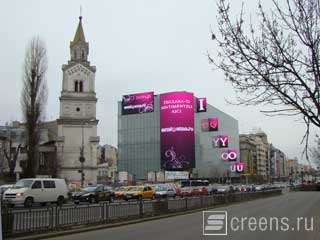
column 72, row 190
column 244, row 188
column 251, row 188
column 139, row 193
column 37, row 190
column 164, row 191
column 213, row 188
column 94, row 194
column 120, row 191
column 4, row 187
column 223, row 189
column 185, row 191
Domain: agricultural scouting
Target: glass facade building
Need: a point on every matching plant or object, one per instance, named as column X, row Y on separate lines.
column 139, row 143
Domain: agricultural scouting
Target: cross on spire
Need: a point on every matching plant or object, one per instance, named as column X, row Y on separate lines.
column 80, row 17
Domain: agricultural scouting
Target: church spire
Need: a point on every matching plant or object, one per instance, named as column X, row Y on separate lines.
column 79, row 48
column 79, row 36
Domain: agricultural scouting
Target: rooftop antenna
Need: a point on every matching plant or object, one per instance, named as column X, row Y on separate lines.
column 80, row 13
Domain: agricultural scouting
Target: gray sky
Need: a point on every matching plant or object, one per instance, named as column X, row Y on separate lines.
column 137, row 46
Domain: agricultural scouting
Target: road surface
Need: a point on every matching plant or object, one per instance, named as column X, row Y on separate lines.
column 190, row 226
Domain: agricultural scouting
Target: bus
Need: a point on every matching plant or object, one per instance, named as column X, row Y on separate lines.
column 193, row 187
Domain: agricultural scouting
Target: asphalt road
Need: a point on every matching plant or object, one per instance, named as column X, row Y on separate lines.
column 190, row 226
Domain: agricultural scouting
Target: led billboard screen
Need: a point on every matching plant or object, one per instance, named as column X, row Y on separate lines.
column 137, row 103
column 177, row 130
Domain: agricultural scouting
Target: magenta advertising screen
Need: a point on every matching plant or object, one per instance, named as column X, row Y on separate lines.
column 137, row 103
column 177, row 130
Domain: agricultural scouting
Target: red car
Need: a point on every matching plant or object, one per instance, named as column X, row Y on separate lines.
column 185, row 192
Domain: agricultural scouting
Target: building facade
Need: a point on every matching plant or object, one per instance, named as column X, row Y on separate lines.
column 139, row 143
column 258, row 144
column 248, row 155
column 278, row 163
column 77, row 123
column 292, row 169
column 13, row 148
column 108, row 161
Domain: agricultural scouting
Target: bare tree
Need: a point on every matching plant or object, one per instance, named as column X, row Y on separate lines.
column 11, row 154
column 2, row 157
column 315, row 152
column 274, row 60
column 33, row 98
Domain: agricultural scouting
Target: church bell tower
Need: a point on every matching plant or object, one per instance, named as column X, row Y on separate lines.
column 77, row 123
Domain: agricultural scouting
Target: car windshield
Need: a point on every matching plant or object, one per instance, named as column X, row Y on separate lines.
column 160, row 188
column 89, row 189
column 121, row 188
column 135, row 189
column 23, row 183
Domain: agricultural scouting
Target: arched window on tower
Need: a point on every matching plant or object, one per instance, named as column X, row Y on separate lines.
column 81, row 86
column 82, row 54
column 76, row 86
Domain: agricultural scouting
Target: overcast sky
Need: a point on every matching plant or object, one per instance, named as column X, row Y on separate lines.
column 137, row 46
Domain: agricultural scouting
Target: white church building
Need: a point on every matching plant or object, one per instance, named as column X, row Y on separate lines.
column 77, row 123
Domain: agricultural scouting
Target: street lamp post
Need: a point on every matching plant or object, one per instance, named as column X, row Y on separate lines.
column 82, row 159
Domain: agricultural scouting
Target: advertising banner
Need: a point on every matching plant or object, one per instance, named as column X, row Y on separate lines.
column 175, row 175
column 177, row 130
column 152, row 176
column 123, row 176
column 137, row 103
column 160, row 176
column 155, row 176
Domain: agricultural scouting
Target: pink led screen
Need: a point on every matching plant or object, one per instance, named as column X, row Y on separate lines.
column 177, row 130
column 137, row 103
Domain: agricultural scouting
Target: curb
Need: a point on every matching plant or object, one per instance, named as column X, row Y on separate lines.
column 86, row 228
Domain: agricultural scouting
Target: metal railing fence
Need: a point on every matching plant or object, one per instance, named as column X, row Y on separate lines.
column 34, row 220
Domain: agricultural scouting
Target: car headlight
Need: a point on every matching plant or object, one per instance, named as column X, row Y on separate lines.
column 19, row 194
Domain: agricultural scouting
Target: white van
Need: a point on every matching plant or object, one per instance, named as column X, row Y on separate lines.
column 37, row 190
